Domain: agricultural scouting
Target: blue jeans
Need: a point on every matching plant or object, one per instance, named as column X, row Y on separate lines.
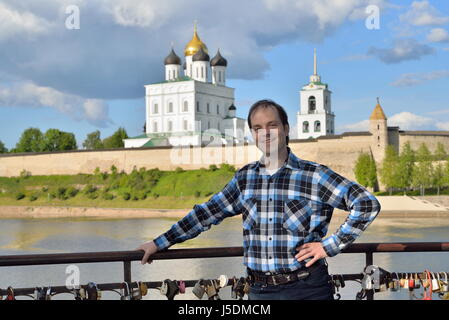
column 317, row 286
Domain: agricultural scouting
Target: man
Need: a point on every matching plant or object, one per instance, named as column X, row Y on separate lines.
column 286, row 204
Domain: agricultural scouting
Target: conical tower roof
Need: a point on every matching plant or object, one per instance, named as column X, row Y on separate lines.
column 378, row 112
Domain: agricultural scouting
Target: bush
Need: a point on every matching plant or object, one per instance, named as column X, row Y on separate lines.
column 89, row 189
column 71, row 192
column 60, row 193
column 107, row 196
column 197, row 194
column 33, row 197
column 179, row 169
column 20, row 196
column 92, row 195
column 44, row 189
column 213, row 167
column 25, row 174
column 126, row 196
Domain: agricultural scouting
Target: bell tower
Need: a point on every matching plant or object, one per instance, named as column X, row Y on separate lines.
column 315, row 117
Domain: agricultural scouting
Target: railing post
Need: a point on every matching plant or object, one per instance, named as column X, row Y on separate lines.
column 127, row 271
column 369, row 261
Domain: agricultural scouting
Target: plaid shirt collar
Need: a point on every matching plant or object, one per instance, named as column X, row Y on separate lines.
column 292, row 162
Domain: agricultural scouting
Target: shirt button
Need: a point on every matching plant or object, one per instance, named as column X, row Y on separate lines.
column 270, row 258
column 270, row 219
column 271, row 199
column 270, row 238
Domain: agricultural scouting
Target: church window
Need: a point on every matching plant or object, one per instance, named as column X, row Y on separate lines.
column 378, row 127
column 218, row 109
column 312, row 104
column 208, row 124
column 185, row 106
column 156, row 108
column 219, row 76
column 170, row 126
column 198, row 106
column 305, row 126
column 202, row 72
column 170, row 107
column 208, row 109
column 185, row 124
column 155, row 126
column 317, row 126
column 197, row 72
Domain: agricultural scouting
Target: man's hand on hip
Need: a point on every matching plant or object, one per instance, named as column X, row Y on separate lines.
column 149, row 248
column 308, row 250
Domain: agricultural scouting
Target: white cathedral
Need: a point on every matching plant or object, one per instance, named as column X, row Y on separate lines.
column 192, row 108
column 197, row 108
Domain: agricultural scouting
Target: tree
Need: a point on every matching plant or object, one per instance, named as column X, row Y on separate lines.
column 2, row 148
column 423, row 170
column 440, row 152
column 93, row 141
column 116, row 140
column 438, row 177
column 365, row 170
column 405, row 167
column 56, row 140
column 30, row 141
column 388, row 173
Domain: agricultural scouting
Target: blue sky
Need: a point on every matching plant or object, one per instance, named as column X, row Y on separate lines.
column 92, row 78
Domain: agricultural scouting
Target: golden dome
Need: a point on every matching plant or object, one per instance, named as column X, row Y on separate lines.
column 378, row 113
column 194, row 45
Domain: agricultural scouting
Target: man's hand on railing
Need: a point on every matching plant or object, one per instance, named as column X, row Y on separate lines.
column 149, row 248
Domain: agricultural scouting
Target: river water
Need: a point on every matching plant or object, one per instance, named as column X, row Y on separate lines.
column 38, row 236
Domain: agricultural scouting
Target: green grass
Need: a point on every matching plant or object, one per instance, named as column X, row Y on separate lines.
column 144, row 188
column 428, row 192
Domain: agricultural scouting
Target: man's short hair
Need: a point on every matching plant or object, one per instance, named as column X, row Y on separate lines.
column 264, row 103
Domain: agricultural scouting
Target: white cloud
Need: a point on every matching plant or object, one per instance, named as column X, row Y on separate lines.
column 412, row 79
column 14, row 23
column 442, row 125
column 358, row 126
column 422, row 13
column 30, row 95
column 438, row 35
column 122, row 43
column 409, row 121
column 402, row 50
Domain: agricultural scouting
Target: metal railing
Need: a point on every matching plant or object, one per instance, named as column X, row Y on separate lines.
column 369, row 249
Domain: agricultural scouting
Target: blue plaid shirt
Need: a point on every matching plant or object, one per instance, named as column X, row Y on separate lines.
column 281, row 212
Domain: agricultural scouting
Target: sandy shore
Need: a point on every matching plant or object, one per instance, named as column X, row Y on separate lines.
column 394, row 207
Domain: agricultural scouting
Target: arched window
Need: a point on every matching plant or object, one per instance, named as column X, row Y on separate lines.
column 305, row 126
column 198, row 106
column 312, row 104
column 170, row 107
column 219, row 76
column 185, row 106
column 208, row 108
column 218, row 109
column 156, row 108
column 202, row 72
column 317, row 126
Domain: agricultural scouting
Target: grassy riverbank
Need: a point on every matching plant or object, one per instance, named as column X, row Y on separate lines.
column 139, row 189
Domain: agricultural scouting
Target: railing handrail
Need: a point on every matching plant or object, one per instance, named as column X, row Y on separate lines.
column 214, row 252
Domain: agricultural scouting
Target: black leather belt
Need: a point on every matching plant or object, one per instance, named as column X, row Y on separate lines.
column 268, row 278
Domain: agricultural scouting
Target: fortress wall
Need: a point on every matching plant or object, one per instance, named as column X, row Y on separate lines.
column 430, row 140
column 339, row 154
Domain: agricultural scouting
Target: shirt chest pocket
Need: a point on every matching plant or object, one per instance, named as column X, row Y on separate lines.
column 250, row 214
column 296, row 215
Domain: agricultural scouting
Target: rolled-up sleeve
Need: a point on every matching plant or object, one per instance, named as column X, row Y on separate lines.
column 341, row 193
column 221, row 205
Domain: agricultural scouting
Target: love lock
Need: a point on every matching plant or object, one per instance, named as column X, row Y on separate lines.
column 136, row 292
column 444, row 283
column 77, row 294
column 172, row 289
column 212, row 289
column 125, row 292
column 10, row 294
column 143, row 289
column 198, row 290
column 238, row 288
column 93, row 293
column 367, row 282
column 223, row 281
column 182, row 287
column 435, row 283
column 82, row 293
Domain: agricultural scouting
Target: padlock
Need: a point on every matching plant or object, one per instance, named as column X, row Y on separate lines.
column 342, row 281
column 77, row 294
column 238, row 288
column 10, row 294
column 92, row 291
column 182, row 287
column 125, row 293
column 198, row 289
column 223, row 280
column 163, row 289
column 212, row 290
column 232, row 282
column 136, row 293
column 48, row 294
column 367, row 282
column 411, row 283
column 435, row 283
column 172, row 288
column 445, row 284
column 417, row 282
column 406, row 280
column 143, row 289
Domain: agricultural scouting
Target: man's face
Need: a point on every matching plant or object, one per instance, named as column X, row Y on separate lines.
column 267, row 130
